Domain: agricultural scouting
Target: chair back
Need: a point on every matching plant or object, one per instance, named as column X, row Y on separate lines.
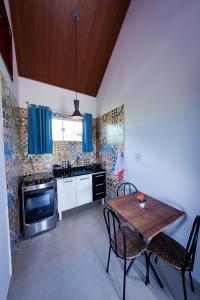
column 114, row 228
column 126, row 188
column 193, row 239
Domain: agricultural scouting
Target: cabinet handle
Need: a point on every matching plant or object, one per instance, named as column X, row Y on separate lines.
column 84, row 178
column 99, row 175
column 99, row 193
column 68, row 181
column 99, row 184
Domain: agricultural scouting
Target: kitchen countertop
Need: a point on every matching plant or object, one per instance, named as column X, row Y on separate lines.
column 81, row 173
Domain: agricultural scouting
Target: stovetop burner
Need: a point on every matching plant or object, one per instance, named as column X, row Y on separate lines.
column 34, row 179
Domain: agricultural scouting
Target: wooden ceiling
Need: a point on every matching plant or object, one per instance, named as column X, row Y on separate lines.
column 44, row 40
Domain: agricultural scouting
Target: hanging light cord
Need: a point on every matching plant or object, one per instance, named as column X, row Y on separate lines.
column 76, row 55
column 75, row 17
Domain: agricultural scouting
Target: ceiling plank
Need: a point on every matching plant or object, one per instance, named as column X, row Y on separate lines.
column 44, row 40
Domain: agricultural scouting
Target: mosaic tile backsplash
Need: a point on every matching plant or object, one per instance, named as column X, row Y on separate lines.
column 61, row 150
column 110, row 142
column 11, row 124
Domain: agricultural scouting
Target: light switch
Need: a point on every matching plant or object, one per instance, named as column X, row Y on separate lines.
column 138, row 156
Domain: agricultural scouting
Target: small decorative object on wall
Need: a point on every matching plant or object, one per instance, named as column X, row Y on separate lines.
column 110, row 147
column 119, row 165
column 75, row 17
column 6, row 39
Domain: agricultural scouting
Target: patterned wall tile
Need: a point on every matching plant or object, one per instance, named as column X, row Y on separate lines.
column 13, row 166
column 61, row 150
column 109, row 141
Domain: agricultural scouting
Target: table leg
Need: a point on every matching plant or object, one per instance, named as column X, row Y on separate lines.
column 155, row 273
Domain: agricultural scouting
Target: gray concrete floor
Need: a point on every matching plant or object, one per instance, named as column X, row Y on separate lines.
column 69, row 263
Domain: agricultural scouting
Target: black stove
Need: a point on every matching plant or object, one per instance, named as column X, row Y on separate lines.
column 38, row 203
column 35, row 179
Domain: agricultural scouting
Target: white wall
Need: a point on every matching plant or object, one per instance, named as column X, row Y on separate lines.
column 60, row 100
column 155, row 71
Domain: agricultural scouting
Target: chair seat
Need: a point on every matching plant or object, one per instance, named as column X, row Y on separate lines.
column 170, row 251
column 134, row 244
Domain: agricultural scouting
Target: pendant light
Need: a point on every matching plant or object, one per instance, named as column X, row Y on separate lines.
column 76, row 115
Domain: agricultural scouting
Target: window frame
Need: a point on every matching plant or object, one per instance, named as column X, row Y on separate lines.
column 63, row 120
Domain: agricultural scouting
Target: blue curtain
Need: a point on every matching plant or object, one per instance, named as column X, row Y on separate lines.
column 39, row 130
column 87, row 145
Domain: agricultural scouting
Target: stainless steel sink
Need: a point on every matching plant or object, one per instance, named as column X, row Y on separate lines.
column 80, row 172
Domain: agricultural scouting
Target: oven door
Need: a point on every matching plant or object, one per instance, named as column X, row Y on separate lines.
column 39, row 204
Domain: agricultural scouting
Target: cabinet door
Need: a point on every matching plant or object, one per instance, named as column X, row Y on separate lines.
column 99, row 186
column 66, row 192
column 84, row 189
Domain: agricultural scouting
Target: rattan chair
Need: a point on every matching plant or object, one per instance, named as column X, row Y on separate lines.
column 123, row 242
column 126, row 188
column 173, row 253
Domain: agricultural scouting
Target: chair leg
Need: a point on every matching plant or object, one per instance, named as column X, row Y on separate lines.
column 108, row 260
column 124, row 283
column 147, row 268
column 155, row 273
column 184, row 286
column 130, row 265
column 191, row 282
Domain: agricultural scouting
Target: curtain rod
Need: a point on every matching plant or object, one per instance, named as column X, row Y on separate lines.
column 66, row 115
column 28, row 104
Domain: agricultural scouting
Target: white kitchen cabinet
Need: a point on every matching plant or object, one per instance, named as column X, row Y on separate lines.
column 84, row 189
column 66, row 194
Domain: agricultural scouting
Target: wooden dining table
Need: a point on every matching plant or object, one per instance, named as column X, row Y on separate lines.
column 148, row 221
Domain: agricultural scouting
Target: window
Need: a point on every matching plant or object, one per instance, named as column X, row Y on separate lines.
column 66, row 130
